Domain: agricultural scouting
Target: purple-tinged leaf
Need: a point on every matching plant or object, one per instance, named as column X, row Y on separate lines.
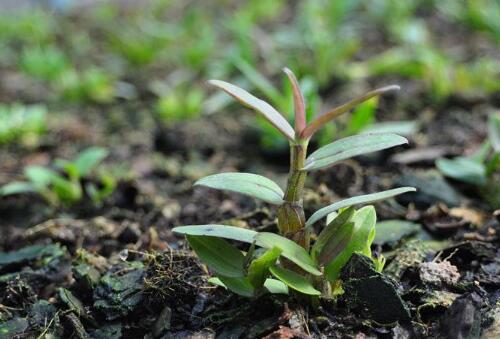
column 364, row 221
column 298, row 102
column 328, row 116
column 333, row 238
column 247, row 99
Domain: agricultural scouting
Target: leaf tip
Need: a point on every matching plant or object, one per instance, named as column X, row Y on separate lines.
column 391, row 88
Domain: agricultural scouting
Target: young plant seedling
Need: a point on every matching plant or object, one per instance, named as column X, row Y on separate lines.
column 482, row 168
column 277, row 262
column 65, row 186
column 22, row 124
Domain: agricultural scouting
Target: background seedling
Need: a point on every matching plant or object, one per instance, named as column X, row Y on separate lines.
column 64, row 185
column 22, row 123
column 482, row 168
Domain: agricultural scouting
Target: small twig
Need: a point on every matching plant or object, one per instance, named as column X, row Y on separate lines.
column 49, row 324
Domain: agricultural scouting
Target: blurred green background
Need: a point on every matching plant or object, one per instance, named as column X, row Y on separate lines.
column 153, row 57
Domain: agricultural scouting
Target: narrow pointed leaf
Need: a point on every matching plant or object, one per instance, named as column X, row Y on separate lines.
column 298, row 102
column 328, row 116
column 362, row 199
column 259, row 268
column 253, row 185
column 294, row 280
column 332, row 230
column 290, row 250
column 220, row 231
column 247, row 99
column 364, row 231
column 219, row 255
column 350, row 147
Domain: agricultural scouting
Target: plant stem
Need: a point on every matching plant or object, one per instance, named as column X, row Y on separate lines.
column 291, row 218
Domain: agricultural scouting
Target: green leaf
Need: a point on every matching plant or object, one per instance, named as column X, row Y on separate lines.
column 332, row 226
column 216, row 281
column 69, row 168
column 67, row 191
column 259, row 268
column 362, row 116
column 481, row 154
column 494, row 131
column 41, row 177
column 88, row 159
column 463, row 169
column 220, row 231
column 334, row 237
column 218, row 254
column 290, row 250
column 17, row 187
column 294, row 280
column 247, row 99
column 362, row 199
column 392, row 231
column 350, row 147
column 240, row 285
column 275, row 286
column 253, row 185
column 364, row 231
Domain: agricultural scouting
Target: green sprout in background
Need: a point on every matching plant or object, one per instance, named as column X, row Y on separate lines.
column 276, row 262
column 482, row 168
column 66, row 185
column 23, row 124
